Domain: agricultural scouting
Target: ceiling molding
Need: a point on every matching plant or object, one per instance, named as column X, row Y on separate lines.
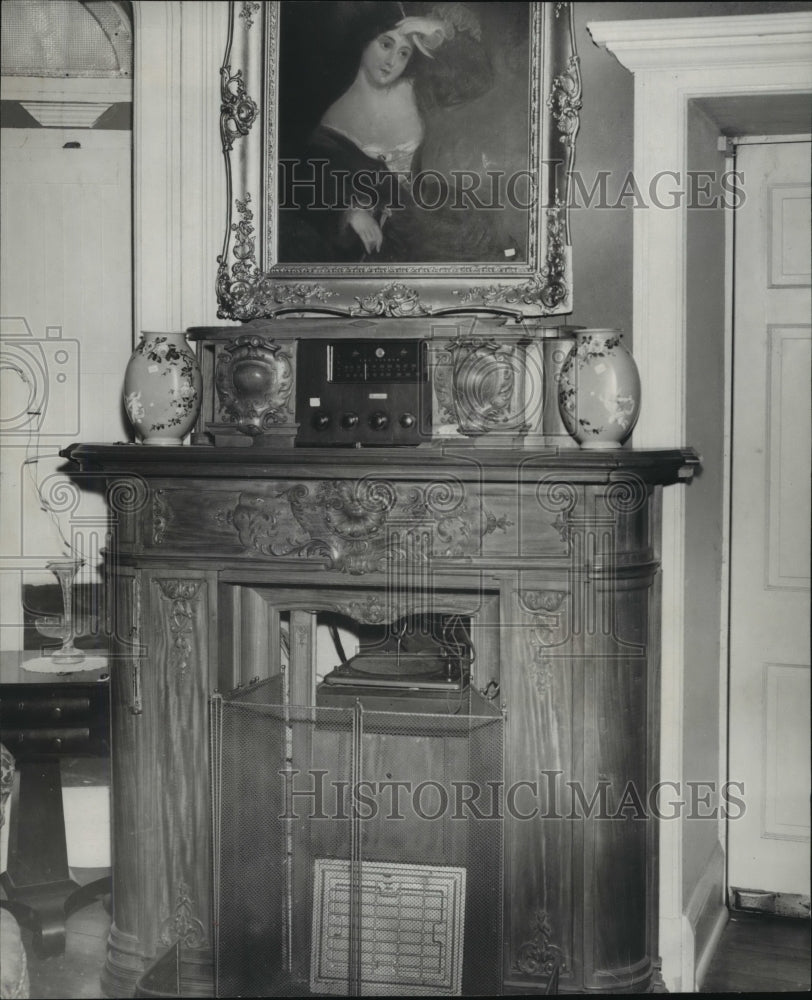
column 674, row 43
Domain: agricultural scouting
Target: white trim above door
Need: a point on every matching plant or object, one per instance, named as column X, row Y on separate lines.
column 674, row 62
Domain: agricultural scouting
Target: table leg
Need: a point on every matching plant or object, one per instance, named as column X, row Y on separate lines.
column 41, row 893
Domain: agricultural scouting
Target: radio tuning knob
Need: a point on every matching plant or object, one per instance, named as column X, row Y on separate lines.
column 379, row 420
column 349, row 420
column 321, row 420
column 407, row 420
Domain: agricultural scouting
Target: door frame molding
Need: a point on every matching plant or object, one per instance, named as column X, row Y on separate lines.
column 178, row 169
column 675, row 61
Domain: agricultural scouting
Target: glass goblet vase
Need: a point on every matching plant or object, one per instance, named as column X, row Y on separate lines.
column 65, row 628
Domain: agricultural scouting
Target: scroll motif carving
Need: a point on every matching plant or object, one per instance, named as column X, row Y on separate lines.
column 362, row 526
column 254, row 380
column 182, row 924
column 565, row 101
column 558, row 498
column 182, row 595
column 238, row 111
column 538, row 956
column 554, row 271
column 394, row 299
column 546, row 290
column 246, row 292
column 627, row 494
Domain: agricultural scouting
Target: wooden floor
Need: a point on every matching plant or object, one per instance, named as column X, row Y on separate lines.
column 75, row 973
column 761, row 954
column 756, row 955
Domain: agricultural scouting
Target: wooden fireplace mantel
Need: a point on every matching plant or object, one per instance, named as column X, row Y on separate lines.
column 556, row 557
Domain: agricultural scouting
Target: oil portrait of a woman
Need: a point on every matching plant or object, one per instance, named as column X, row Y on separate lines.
column 402, row 127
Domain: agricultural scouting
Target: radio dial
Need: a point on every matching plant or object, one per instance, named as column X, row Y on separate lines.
column 407, row 420
column 349, row 420
column 379, row 420
column 321, row 420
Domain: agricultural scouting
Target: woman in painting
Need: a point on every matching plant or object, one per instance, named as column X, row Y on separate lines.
column 371, row 198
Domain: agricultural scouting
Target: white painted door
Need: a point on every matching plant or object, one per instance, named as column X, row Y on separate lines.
column 769, row 640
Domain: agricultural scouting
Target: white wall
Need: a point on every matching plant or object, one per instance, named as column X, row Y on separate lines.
column 66, row 308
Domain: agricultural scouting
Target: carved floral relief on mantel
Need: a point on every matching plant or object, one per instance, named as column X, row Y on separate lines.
column 462, row 206
column 362, row 526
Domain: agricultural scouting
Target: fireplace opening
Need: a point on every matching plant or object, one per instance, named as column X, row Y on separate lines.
column 358, row 840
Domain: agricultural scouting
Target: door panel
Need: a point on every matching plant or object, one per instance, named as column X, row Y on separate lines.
column 769, row 640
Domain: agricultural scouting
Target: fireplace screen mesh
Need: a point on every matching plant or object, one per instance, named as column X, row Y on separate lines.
column 356, row 852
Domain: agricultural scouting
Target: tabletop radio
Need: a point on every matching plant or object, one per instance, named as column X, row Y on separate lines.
column 388, row 382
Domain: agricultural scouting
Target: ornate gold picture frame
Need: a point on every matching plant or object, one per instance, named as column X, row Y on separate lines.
column 404, row 159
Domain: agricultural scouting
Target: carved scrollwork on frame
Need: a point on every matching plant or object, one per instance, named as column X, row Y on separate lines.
column 248, row 9
column 182, row 595
column 182, row 924
column 245, row 292
column 565, row 101
column 362, row 526
column 504, row 252
column 538, row 956
column 395, row 299
column 254, row 381
column 544, row 292
column 238, row 111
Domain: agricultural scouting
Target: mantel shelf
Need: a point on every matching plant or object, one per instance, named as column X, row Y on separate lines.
column 654, row 466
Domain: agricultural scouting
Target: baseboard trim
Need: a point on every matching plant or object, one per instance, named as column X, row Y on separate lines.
column 709, row 949
column 706, row 915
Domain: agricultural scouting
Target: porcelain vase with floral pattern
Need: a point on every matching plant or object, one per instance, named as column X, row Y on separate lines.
column 599, row 389
column 162, row 388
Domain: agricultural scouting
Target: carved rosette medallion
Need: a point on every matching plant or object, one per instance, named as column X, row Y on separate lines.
column 254, row 380
column 182, row 925
column 538, row 956
column 182, row 596
column 362, row 526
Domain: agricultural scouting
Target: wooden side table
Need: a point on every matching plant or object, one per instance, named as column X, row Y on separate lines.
column 40, row 723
